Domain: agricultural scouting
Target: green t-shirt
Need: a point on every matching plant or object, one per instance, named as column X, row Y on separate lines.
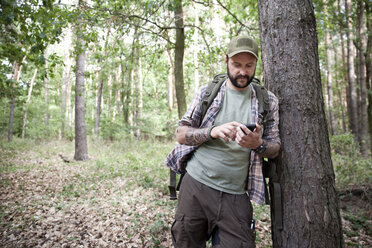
column 220, row 165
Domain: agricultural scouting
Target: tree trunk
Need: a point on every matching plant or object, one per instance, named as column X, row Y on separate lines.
column 46, row 93
column 11, row 118
column 363, row 127
column 117, row 92
column 16, row 72
column 127, row 97
column 344, row 66
column 340, row 98
column 196, row 48
column 353, row 114
column 109, row 98
column 331, row 118
column 139, row 95
column 289, row 44
column 98, row 109
column 81, row 148
column 170, row 80
column 369, row 70
column 178, row 58
column 124, row 91
column 27, row 103
column 66, row 80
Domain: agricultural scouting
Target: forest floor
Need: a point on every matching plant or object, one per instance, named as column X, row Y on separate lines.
column 118, row 198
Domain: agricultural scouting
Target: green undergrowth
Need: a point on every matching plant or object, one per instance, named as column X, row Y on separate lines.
column 351, row 169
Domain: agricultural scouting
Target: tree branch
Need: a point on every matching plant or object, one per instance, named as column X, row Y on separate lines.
column 235, row 17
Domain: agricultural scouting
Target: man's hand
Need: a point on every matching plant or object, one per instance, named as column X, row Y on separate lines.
column 250, row 139
column 253, row 140
column 225, row 131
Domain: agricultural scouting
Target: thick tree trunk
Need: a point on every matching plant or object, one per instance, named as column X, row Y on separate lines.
column 178, row 58
column 27, row 103
column 81, row 148
column 353, row 114
column 311, row 215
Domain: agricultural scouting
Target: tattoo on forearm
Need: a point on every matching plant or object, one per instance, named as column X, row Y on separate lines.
column 195, row 137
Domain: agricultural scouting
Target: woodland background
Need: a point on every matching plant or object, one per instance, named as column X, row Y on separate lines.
column 121, row 58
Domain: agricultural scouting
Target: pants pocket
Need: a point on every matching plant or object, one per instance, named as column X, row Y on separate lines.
column 177, row 229
column 251, row 236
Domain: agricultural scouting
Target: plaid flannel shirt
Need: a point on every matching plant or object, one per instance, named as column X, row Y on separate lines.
column 178, row 157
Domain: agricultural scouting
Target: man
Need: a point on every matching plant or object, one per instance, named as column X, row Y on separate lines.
column 223, row 158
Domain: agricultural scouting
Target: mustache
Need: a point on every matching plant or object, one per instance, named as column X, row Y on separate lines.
column 239, row 76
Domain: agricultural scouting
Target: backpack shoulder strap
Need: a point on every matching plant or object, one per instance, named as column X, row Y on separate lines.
column 263, row 100
column 211, row 92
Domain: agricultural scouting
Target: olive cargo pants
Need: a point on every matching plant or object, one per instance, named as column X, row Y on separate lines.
column 204, row 212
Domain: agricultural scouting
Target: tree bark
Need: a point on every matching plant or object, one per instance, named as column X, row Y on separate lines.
column 363, row 129
column 344, row 66
column 81, row 148
column 178, row 58
column 369, row 70
column 27, row 103
column 311, row 216
column 353, row 114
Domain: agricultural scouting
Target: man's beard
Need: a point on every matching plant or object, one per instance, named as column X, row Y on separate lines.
column 234, row 80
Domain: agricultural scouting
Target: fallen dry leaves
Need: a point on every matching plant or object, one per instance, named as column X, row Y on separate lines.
column 45, row 202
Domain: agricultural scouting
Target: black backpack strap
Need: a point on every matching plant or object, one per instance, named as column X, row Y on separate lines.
column 276, row 209
column 172, row 185
column 211, row 92
column 263, row 98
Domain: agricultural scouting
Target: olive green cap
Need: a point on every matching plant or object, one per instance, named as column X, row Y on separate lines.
column 241, row 44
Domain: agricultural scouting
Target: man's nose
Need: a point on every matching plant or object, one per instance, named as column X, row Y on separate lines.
column 243, row 72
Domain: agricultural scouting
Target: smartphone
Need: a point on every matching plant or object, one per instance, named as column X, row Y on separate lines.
column 250, row 127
